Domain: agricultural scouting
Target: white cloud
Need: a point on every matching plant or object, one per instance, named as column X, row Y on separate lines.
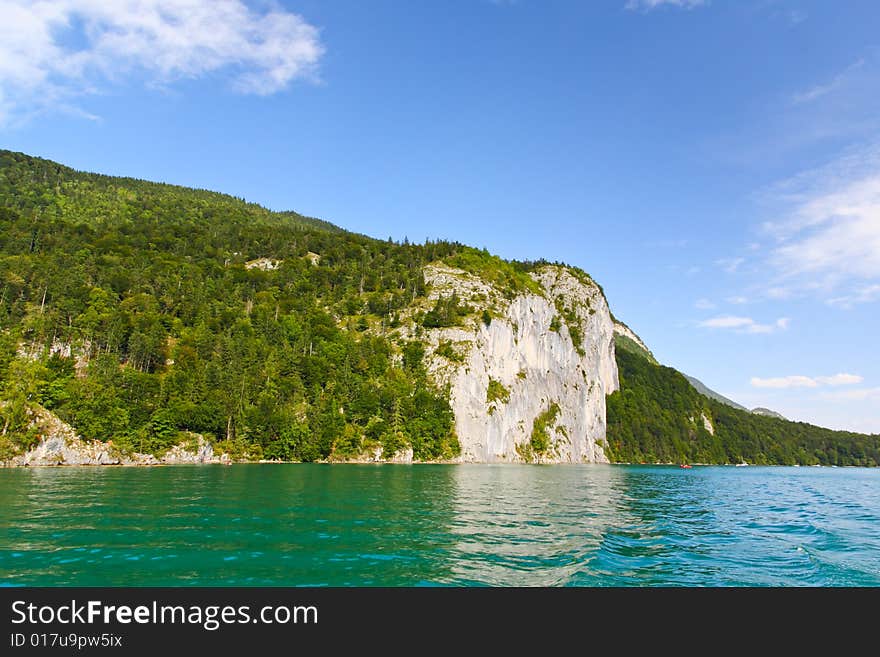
column 744, row 324
column 800, row 381
column 737, row 300
column 703, row 304
column 54, row 51
column 727, row 321
column 647, row 5
column 828, row 236
column 840, row 380
column 784, row 382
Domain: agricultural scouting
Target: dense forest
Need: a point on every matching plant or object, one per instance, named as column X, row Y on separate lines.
column 142, row 320
column 657, row 416
column 137, row 311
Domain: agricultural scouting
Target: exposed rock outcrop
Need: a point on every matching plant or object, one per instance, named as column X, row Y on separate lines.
column 767, row 412
column 265, row 264
column 707, row 424
column 550, row 356
column 60, row 445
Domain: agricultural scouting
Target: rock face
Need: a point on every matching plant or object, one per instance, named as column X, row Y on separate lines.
column 266, row 264
column 768, row 413
column 707, row 424
column 60, row 445
column 377, row 455
column 530, row 385
column 624, row 330
column 196, row 450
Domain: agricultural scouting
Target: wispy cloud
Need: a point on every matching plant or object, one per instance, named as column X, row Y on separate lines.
column 647, row 5
column 744, row 324
column 824, row 89
column 703, row 304
column 827, row 232
column 730, row 265
column 738, row 300
column 53, row 52
column 800, row 381
column 777, row 292
column 827, row 111
column 865, row 294
column 859, row 394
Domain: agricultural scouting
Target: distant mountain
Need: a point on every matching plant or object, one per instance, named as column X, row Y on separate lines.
column 766, row 411
column 703, row 389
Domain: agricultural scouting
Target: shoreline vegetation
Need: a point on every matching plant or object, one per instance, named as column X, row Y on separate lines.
column 414, row 463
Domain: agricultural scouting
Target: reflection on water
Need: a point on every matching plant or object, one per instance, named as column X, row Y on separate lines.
column 521, row 525
column 439, row 525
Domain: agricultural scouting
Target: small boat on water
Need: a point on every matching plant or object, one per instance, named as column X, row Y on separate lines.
column 685, row 466
column 742, row 465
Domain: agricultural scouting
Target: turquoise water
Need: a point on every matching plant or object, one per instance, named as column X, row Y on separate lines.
column 439, row 525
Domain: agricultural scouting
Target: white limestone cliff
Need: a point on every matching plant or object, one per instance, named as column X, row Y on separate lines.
column 528, row 351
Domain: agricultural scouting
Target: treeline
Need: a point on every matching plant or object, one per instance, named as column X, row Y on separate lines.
column 656, row 416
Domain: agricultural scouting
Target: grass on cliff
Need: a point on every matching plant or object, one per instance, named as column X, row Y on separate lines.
column 509, row 277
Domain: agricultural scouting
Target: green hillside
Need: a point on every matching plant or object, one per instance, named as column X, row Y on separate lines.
column 160, row 327
column 137, row 311
column 656, row 416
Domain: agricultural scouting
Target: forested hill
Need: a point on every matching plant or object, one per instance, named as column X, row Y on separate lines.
column 658, row 416
column 142, row 313
column 34, row 186
column 146, row 311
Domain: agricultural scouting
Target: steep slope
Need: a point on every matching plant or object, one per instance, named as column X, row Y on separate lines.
column 704, row 390
column 625, row 339
column 658, row 416
column 528, row 379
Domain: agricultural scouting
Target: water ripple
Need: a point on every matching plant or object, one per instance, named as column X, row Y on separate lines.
column 440, row 525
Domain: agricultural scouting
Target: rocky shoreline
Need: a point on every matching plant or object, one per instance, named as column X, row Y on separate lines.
column 60, row 445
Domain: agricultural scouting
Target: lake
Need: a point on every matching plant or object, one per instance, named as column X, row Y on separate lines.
column 397, row 525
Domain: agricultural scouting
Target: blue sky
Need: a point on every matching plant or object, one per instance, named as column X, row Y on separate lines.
column 715, row 165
